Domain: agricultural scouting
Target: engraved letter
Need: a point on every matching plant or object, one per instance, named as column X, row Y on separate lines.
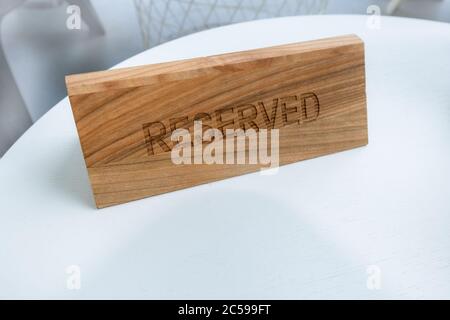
column 310, row 106
column 251, row 111
column 150, row 140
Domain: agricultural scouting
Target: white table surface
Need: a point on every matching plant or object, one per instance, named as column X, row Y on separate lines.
column 310, row 231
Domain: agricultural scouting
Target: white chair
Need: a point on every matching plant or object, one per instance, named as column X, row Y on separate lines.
column 88, row 14
column 393, row 6
column 161, row 21
column 14, row 116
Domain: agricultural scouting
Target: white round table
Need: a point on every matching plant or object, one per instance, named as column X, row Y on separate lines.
column 373, row 222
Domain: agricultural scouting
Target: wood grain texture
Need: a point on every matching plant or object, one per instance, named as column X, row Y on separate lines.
column 313, row 92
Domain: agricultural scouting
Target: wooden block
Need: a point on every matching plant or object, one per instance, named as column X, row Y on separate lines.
column 312, row 92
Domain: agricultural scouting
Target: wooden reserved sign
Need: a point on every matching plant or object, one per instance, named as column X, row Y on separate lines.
column 158, row 128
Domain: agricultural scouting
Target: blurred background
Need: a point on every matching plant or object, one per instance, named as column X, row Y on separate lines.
column 41, row 41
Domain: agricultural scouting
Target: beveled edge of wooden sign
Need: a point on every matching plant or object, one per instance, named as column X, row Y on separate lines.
column 103, row 179
column 137, row 76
